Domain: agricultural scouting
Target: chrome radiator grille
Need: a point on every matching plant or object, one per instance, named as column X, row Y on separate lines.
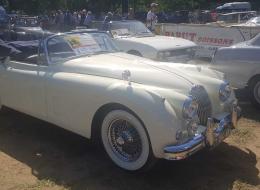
column 199, row 94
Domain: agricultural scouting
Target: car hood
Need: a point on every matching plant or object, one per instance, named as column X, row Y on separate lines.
column 179, row 77
column 162, row 43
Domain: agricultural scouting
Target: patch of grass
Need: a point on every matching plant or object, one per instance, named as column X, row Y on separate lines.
column 239, row 185
column 243, row 135
column 43, row 184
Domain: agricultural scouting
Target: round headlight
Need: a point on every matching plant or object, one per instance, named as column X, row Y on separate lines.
column 224, row 91
column 190, row 108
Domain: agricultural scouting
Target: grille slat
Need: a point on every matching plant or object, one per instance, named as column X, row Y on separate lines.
column 199, row 94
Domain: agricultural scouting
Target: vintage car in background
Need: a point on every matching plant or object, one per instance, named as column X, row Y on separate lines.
column 139, row 109
column 236, row 17
column 24, row 28
column 135, row 38
column 241, row 65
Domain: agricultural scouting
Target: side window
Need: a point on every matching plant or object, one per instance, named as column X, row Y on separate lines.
column 59, row 49
column 238, row 55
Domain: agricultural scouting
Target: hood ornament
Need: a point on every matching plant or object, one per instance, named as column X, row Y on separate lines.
column 126, row 76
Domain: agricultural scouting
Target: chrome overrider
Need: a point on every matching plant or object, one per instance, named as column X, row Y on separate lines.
column 215, row 132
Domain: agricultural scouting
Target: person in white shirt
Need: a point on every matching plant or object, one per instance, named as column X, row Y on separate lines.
column 152, row 18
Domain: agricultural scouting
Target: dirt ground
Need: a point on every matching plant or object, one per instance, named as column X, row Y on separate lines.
column 36, row 155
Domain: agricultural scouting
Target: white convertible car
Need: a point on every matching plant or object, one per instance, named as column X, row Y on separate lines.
column 241, row 65
column 135, row 38
column 140, row 110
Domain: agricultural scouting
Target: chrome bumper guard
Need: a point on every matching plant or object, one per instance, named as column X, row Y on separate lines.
column 216, row 131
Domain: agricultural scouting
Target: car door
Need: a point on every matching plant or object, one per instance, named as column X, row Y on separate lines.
column 23, row 87
column 61, row 90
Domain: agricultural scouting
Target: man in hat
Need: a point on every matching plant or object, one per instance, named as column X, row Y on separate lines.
column 152, row 18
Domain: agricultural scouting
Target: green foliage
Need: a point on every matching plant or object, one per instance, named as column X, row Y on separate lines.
column 39, row 6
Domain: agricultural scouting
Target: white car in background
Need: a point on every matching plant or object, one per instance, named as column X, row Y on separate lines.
column 135, row 38
column 241, row 65
column 139, row 109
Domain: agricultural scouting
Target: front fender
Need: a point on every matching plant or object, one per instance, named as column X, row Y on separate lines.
column 156, row 112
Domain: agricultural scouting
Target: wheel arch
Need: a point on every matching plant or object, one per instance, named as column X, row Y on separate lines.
column 253, row 78
column 101, row 113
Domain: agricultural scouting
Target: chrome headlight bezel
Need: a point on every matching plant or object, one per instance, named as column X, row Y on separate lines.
column 190, row 108
column 225, row 91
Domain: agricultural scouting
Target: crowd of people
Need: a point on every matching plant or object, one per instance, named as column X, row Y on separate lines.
column 67, row 20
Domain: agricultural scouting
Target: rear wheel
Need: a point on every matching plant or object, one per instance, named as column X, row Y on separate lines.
column 254, row 88
column 125, row 141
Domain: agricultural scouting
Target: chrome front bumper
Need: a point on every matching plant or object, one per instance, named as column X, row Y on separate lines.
column 216, row 131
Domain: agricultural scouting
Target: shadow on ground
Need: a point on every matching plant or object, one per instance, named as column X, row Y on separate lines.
column 69, row 160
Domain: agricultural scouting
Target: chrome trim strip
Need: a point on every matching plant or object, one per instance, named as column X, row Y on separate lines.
column 186, row 146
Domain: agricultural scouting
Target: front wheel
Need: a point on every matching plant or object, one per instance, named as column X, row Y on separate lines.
column 254, row 88
column 125, row 141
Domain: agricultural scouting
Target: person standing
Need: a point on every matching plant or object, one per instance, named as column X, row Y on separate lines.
column 131, row 14
column 74, row 20
column 60, row 20
column 152, row 18
column 82, row 17
column 107, row 20
column 88, row 19
column 67, row 21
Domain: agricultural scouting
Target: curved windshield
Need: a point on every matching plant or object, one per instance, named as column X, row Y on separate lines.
column 256, row 41
column 129, row 28
column 255, row 20
column 68, row 46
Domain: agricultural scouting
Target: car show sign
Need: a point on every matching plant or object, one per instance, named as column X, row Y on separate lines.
column 208, row 37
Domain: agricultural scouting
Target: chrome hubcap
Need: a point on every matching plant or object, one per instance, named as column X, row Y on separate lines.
column 125, row 140
column 257, row 92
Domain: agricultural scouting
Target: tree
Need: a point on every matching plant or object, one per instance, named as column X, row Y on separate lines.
column 38, row 6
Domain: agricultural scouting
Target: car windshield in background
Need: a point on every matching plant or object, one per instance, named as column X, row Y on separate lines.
column 255, row 20
column 74, row 45
column 129, row 29
column 26, row 22
column 255, row 41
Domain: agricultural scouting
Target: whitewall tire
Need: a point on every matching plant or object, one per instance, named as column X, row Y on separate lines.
column 255, row 92
column 125, row 140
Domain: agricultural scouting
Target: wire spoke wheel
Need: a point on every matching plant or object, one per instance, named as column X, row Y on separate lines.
column 257, row 92
column 125, row 140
